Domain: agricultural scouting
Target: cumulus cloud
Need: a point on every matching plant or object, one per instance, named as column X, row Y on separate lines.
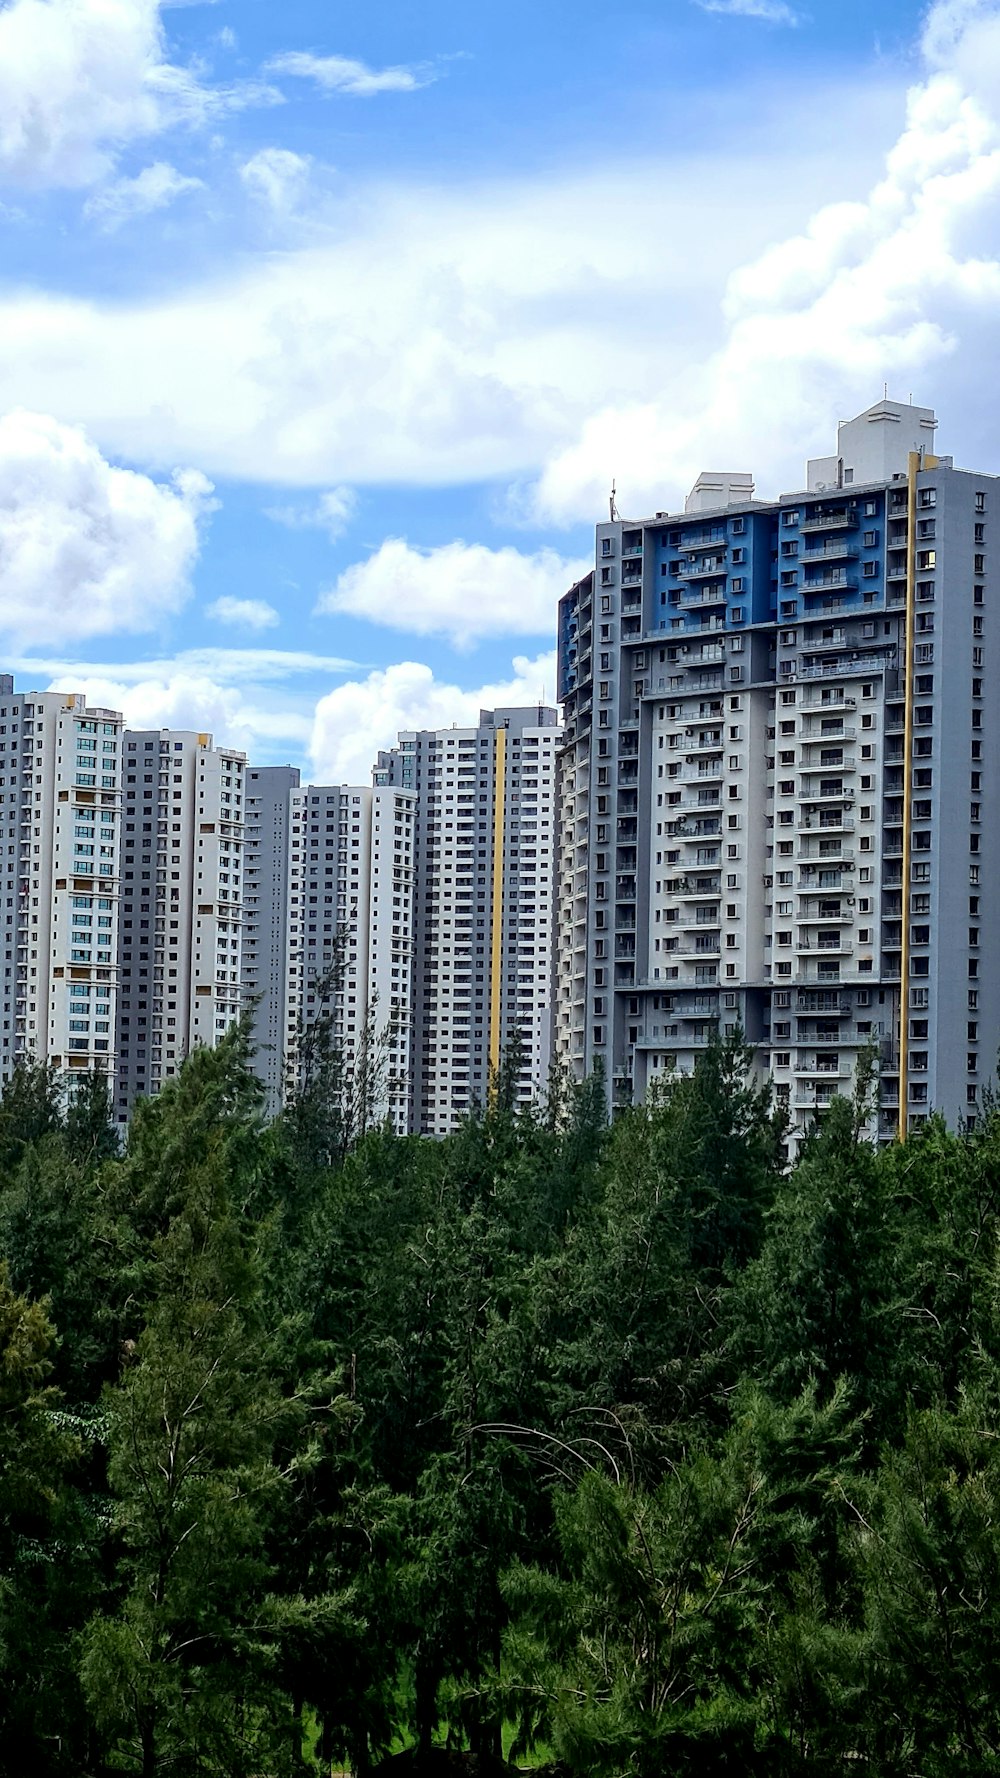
column 437, row 336
column 276, row 178
column 260, row 699
column 903, row 285
column 356, row 719
column 87, row 548
column 81, row 78
column 248, row 614
column 332, row 513
column 460, row 590
column 341, row 74
column 125, row 199
column 430, row 334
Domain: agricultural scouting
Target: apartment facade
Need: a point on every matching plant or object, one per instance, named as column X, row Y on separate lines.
column 778, row 798
column 484, row 904
column 60, row 789
column 182, row 905
column 349, row 933
column 265, row 934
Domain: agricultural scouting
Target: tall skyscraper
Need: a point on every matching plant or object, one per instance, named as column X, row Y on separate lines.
column 485, row 854
column 60, row 785
column 350, row 932
column 779, row 800
column 182, row 903
column 265, row 936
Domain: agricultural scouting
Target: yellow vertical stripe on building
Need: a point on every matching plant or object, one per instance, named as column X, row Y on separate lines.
column 496, row 949
column 916, row 461
column 913, row 465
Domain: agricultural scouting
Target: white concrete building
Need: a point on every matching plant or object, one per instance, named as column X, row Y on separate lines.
column 779, row 795
column 485, row 876
column 60, row 783
column 265, row 933
column 182, row 911
column 350, row 928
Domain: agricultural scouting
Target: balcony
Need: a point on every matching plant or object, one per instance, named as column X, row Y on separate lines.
column 707, row 567
column 827, row 823
column 824, row 948
column 853, row 664
column 693, row 889
column 822, row 798
column 832, row 640
column 828, row 1002
column 814, row 738
column 707, row 743
column 839, row 853
column 837, row 551
column 692, row 600
column 705, row 774
column 842, row 518
column 837, row 581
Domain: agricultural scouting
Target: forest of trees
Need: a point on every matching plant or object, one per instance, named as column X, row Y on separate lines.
column 617, row 1451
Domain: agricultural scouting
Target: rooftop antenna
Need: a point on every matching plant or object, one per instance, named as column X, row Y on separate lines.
column 614, row 509
column 885, row 391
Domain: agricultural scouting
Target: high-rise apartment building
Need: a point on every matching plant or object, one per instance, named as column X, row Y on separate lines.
column 182, row 905
column 60, row 785
column 485, row 854
column 779, row 798
column 349, row 930
column 265, row 934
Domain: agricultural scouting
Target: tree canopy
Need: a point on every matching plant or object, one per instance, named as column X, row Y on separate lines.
column 628, row 1449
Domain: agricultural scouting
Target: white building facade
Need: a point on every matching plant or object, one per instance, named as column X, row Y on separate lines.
column 484, row 905
column 349, row 933
column 265, row 933
column 779, row 799
column 180, row 942
column 60, row 787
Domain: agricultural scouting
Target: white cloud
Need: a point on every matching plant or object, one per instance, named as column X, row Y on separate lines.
column 81, row 78
column 357, row 718
column 249, row 614
column 430, row 334
column 773, row 12
column 276, row 177
column 260, row 699
column 87, row 548
column 341, row 74
column 903, row 286
column 460, row 590
column 332, row 513
column 125, row 199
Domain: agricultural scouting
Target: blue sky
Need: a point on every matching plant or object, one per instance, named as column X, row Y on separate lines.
column 323, row 331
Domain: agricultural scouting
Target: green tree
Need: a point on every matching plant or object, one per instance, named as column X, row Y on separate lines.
column 38, row 1531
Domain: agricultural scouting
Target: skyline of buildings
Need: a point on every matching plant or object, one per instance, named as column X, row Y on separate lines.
column 413, row 914
column 768, row 807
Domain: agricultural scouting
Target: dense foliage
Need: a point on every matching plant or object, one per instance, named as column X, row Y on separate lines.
column 631, row 1450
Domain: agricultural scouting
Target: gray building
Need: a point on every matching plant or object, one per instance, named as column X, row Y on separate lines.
column 349, row 936
column 265, row 933
column 60, row 809
column 484, row 904
column 181, row 925
column 779, row 804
